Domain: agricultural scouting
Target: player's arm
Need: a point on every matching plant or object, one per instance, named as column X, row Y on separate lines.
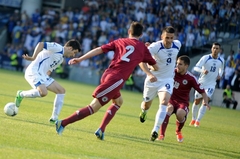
column 205, row 100
column 145, row 69
column 37, row 49
column 198, row 67
column 151, row 49
column 88, row 55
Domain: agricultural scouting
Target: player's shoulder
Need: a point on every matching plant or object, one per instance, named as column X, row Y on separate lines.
column 190, row 76
column 206, row 57
column 221, row 59
column 52, row 44
column 156, row 43
column 177, row 43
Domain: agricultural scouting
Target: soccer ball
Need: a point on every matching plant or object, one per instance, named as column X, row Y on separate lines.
column 10, row 109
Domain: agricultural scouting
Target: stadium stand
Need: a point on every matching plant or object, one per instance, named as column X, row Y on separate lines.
column 98, row 22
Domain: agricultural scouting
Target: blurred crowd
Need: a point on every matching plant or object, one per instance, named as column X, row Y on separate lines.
column 197, row 22
column 231, row 74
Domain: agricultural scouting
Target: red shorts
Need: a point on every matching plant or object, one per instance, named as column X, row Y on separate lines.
column 176, row 105
column 109, row 88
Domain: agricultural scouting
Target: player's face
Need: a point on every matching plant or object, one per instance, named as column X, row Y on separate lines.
column 167, row 39
column 181, row 67
column 215, row 50
column 70, row 52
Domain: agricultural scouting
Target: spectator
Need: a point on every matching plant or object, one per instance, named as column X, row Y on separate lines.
column 228, row 72
column 131, row 85
column 189, row 42
column 222, row 54
column 208, row 17
column 228, row 98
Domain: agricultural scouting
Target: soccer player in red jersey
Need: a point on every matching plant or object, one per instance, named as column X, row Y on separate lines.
column 184, row 81
column 128, row 53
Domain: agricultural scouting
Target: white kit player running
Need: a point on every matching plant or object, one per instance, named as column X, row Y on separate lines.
column 211, row 68
column 165, row 53
column 47, row 56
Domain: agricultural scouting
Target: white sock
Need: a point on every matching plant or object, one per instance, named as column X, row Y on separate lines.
column 194, row 111
column 160, row 116
column 33, row 93
column 201, row 113
column 57, row 105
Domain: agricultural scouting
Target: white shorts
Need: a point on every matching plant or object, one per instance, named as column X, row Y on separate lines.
column 209, row 90
column 37, row 79
column 151, row 89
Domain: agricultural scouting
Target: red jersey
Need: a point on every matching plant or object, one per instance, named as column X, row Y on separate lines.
column 182, row 87
column 128, row 53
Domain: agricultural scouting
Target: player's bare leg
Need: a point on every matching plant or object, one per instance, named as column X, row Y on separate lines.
column 143, row 114
column 181, row 118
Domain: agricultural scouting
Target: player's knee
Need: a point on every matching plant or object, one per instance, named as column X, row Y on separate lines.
column 119, row 102
column 164, row 102
column 197, row 101
column 181, row 114
column 61, row 91
column 181, row 119
column 43, row 93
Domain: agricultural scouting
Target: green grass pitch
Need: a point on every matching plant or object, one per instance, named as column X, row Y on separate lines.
column 29, row 135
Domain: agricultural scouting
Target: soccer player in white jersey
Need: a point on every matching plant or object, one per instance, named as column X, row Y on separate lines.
column 211, row 68
column 165, row 53
column 47, row 56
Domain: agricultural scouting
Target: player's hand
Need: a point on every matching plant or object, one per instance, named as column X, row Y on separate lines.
column 208, row 106
column 73, row 61
column 26, row 57
column 147, row 44
column 152, row 78
column 205, row 72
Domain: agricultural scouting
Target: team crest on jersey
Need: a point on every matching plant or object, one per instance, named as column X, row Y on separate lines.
column 184, row 82
column 169, row 54
column 104, row 99
column 214, row 64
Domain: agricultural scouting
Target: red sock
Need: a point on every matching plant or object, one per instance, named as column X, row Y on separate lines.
column 164, row 125
column 179, row 125
column 78, row 115
column 109, row 114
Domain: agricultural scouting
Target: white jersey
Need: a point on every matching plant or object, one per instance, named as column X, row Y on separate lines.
column 165, row 58
column 47, row 60
column 166, row 61
column 215, row 68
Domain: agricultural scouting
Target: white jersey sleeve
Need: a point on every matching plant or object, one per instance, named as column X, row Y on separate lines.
column 48, row 59
column 214, row 68
column 53, row 47
column 199, row 65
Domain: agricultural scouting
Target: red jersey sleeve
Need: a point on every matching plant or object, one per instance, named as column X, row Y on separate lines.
column 148, row 57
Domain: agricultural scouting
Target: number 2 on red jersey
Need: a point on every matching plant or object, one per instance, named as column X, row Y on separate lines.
column 130, row 49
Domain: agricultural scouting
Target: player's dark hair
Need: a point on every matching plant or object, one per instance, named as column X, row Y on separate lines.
column 168, row 29
column 136, row 29
column 185, row 59
column 216, row 43
column 74, row 44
